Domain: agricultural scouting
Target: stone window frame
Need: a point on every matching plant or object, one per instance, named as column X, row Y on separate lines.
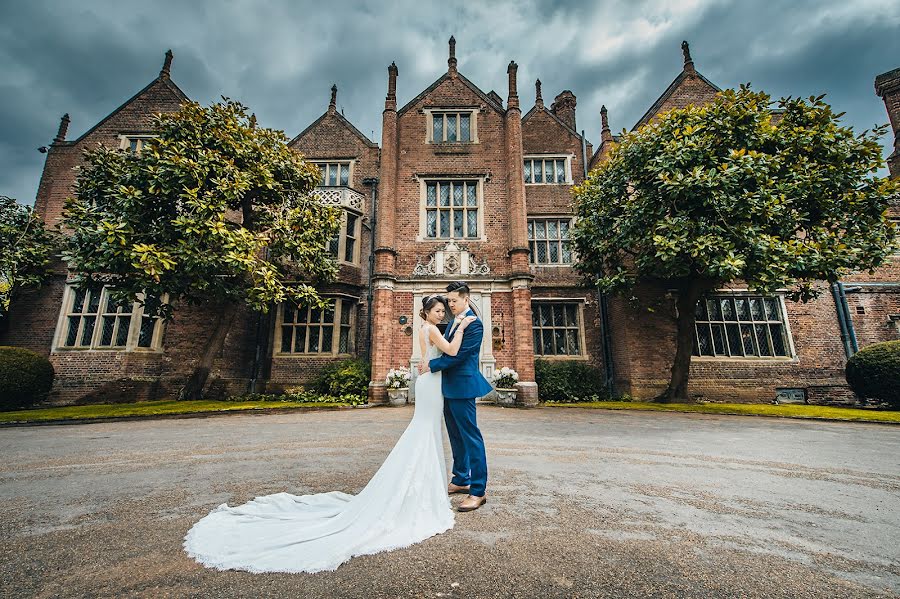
column 328, row 163
column 532, row 240
column 757, row 358
column 342, row 301
column 579, row 303
column 340, row 252
column 423, row 208
column 133, row 142
column 568, row 158
column 896, row 221
column 136, row 317
column 430, row 113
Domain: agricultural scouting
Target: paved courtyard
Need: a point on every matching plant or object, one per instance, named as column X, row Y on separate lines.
column 582, row 503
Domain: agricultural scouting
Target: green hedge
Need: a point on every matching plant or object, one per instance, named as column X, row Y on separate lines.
column 874, row 372
column 568, row 380
column 347, row 377
column 298, row 394
column 25, row 377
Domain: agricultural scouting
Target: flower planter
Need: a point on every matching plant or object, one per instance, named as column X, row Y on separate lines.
column 398, row 397
column 506, row 397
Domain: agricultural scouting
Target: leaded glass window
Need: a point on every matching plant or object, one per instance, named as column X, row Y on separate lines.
column 334, row 174
column 556, row 327
column 451, row 209
column 451, row 127
column 93, row 320
column 309, row 330
column 546, row 170
column 343, row 245
column 740, row 325
column 548, row 240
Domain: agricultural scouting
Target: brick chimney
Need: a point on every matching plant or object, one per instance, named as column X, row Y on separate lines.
column 887, row 86
column 63, row 129
column 605, row 133
column 564, row 108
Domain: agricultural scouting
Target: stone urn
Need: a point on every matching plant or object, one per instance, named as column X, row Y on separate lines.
column 398, row 397
column 506, row 397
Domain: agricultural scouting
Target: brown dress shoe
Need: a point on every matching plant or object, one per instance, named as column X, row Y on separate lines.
column 471, row 503
column 452, row 489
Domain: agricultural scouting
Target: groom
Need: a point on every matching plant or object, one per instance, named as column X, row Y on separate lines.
column 461, row 384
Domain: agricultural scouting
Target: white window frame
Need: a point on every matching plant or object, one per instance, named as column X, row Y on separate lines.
column 542, row 157
column 341, row 256
column 125, row 141
column 335, row 335
column 335, row 162
column 758, row 359
column 579, row 307
column 430, row 113
column 532, row 255
column 423, row 208
column 131, row 343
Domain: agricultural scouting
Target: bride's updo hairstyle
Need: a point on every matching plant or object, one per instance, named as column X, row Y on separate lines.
column 429, row 302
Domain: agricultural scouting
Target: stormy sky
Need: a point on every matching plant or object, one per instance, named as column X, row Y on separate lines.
column 280, row 57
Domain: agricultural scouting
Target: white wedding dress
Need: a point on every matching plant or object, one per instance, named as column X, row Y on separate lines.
column 404, row 503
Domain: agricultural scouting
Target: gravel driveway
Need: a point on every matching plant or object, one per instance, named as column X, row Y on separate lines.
column 582, row 503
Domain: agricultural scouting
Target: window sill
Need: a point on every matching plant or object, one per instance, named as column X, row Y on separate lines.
column 747, row 360
column 308, row 356
column 107, row 350
column 580, row 358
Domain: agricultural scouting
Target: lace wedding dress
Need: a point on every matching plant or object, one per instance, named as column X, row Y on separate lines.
column 404, row 503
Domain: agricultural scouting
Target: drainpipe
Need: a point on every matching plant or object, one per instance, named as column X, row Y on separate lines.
column 602, row 305
column 851, row 332
column 845, row 322
column 373, row 181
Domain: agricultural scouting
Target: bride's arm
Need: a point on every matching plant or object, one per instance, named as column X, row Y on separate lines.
column 450, row 348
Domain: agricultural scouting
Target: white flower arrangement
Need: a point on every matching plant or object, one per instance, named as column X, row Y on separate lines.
column 398, row 378
column 506, row 378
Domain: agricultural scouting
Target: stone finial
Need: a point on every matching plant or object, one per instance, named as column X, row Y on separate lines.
column 390, row 102
column 332, row 105
column 253, row 120
column 605, row 133
column 63, row 129
column 511, row 71
column 451, row 61
column 167, row 65
column 538, row 99
column 688, row 61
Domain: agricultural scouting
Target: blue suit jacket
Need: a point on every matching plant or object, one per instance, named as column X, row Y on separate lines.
column 462, row 379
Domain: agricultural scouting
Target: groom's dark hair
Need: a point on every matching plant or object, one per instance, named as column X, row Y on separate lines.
column 460, row 287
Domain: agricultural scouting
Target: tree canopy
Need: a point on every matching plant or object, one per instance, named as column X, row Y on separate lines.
column 777, row 195
column 27, row 250
column 212, row 209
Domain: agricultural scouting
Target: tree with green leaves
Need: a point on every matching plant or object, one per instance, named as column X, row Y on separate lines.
column 734, row 191
column 27, row 251
column 212, row 211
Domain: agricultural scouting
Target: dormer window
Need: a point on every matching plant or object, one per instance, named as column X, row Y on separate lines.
column 451, row 126
column 334, row 173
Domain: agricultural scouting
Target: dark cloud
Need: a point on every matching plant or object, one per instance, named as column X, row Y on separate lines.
column 281, row 58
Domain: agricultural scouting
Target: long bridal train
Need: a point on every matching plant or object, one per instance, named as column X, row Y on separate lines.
column 404, row 503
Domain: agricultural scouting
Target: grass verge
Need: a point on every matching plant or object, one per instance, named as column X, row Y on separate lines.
column 783, row 411
column 150, row 408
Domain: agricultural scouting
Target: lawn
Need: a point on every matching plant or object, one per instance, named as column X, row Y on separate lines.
column 784, row 411
column 151, row 408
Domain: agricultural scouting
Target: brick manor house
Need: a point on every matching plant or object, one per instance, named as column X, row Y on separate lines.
column 462, row 186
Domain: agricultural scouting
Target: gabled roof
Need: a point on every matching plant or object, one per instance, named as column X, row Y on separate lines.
column 596, row 154
column 562, row 123
column 488, row 99
column 164, row 80
column 341, row 119
column 668, row 94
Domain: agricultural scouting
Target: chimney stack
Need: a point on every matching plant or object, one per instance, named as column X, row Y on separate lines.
column 564, row 108
column 63, row 129
column 451, row 61
column 605, row 133
column 513, row 100
column 390, row 102
column 538, row 99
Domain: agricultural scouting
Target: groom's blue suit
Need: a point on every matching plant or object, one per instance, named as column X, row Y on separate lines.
column 461, row 383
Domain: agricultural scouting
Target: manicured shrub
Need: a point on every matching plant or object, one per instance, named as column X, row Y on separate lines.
column 568, row 381
column 25, row 377
column 874, row 372
column 347, row 377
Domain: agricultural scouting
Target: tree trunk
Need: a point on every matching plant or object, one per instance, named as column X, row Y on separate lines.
column 193, row 388
column 677, row 392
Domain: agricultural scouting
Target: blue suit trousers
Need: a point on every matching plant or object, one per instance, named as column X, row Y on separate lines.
column 469, row 459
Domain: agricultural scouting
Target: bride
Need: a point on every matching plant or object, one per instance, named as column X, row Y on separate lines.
column 404, row 503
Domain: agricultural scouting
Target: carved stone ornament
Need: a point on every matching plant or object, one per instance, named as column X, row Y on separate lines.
column 451, row 259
